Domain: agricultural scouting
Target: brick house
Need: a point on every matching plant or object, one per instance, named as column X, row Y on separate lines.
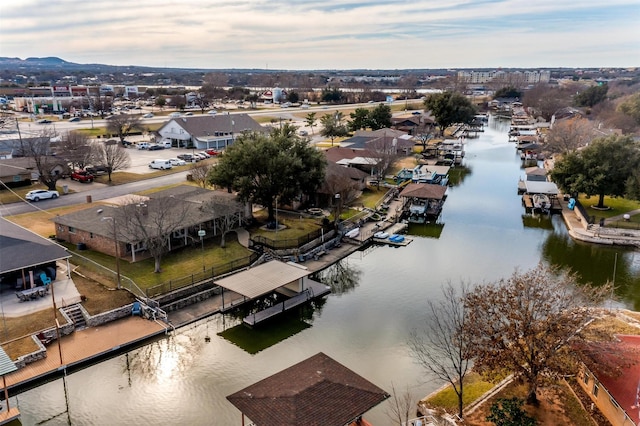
column 94, row 228
column 617, row 397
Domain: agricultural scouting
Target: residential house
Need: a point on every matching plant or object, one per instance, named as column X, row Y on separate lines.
column 94, row 228
column 13, row 174
column 208, row 131
column 414, row 124
column 24, row 255
column 363, row 159
column 617, row 396
column 346, row 181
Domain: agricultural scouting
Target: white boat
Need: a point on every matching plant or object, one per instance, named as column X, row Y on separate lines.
column 541, row 201
column 381, row 235
column 353, row 233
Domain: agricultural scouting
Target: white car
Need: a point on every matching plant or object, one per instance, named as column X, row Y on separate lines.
column 148, row 115
column 41, row 194
column 177, row 162
column 160, row 164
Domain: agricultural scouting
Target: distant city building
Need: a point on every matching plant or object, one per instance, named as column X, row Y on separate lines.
column 526, row 77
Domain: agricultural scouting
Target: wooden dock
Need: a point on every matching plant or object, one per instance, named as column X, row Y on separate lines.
column 85, row 345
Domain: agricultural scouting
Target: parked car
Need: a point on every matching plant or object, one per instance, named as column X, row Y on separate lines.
column 188, row 158
column 174, row 115
column 143, row 145
column 155, row 147
column 82, row 176
column 126, row 143
column 97, row 170
column 160, row 164
column 199, row 156
column 188, row 113
column 148, row 115
column 74, row 119
column 41, row 194
column 212, row 112
column 205, row 154
column 212, row 152
column 43, row 121
column 177, row 162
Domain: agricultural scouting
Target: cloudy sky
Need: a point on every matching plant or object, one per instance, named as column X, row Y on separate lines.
column 329, row 34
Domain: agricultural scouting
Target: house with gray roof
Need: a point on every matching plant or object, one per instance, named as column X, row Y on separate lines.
column 198, row 209
column 24, row 254
column 208, row 131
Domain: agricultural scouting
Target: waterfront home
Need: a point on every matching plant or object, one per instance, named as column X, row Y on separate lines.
column 616, row 394
column 315, row 392
column 94, row 228
column 24, row 256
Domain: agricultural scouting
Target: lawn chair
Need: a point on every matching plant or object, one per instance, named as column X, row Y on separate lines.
column 45, row 279
column 136, row 309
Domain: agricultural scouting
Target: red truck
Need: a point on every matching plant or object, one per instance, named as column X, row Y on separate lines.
column 82, row 176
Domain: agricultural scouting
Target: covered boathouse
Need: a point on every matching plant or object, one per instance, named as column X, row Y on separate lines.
column 318, row 391
column 287, row 279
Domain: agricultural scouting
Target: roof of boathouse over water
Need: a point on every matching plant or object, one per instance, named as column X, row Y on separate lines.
column 262, row 279
column 315, row 392
column 424, row 190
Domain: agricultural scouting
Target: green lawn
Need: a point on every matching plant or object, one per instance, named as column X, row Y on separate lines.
column 475, row 387
column 617, row 206
column 177, row 264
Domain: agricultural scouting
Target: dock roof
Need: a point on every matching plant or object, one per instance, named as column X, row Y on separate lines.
column 315, row 392
column 425, row 191
column 263, row 279
column 541, row 187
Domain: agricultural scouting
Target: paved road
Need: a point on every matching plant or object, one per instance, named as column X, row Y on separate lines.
column 97, row 192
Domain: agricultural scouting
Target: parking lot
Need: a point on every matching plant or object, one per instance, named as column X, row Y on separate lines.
column 140, row 158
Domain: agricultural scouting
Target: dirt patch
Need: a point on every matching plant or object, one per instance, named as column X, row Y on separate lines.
column 554, row 408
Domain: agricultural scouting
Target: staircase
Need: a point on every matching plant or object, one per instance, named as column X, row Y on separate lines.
column 74, row 312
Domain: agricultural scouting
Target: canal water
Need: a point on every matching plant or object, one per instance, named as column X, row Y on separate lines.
column 379, row 296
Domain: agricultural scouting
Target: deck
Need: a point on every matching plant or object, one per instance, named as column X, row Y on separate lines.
column 84, row 345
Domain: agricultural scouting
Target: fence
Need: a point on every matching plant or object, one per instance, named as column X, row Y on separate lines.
column 288, row 243
column 198, row 277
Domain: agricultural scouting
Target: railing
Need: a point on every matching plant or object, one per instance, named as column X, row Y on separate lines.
column 288, row 243
column 198, row 277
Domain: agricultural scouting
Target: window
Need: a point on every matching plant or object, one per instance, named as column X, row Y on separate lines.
column 595, row 389
column 613, row 402
column 90, row 234
column 586, row 378
column 72, row 230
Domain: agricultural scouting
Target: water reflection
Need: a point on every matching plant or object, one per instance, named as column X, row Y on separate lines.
column 254, row 340
column 341, row 277
column 540, row 221
column 429, row 229
column 595, row 264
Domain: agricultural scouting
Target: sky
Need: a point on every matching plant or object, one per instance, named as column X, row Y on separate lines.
column 329, row 34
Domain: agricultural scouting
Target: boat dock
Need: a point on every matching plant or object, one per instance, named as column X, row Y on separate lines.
column 314, row 290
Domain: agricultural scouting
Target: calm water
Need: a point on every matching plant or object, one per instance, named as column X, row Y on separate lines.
column 380, row 296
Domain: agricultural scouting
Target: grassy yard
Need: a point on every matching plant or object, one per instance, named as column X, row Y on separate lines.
column 296, row 225
column 617, row 206
column 179, row 264
column 474, row 387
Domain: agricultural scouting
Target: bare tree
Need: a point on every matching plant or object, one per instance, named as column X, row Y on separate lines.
column 123, row 124
column 386, row 151
column 227, row 215
column 546, row 100
column 523, row 324
column 200, row 172
column 444, row 347
column 568, row 135
column 152, row 224
column 401, row 406
column 113, row 156
column 76, row 148
column 50, row 169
